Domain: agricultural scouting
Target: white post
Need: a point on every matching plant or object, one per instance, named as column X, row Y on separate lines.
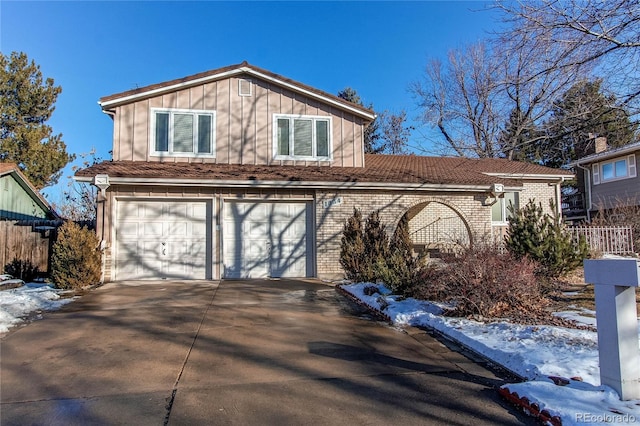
column 615, row 281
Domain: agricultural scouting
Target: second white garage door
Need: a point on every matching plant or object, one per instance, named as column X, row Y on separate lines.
column 266, row 239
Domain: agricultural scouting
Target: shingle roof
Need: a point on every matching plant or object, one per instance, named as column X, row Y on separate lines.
column 195, row 79
column 609, row 153
column 392, row 169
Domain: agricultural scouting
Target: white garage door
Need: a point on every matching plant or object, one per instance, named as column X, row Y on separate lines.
column 162, row 239
column 266, row 239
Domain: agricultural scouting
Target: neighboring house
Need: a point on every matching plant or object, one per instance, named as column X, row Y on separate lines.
column 19, row 200
column 26, row 221
column 606, row 179
column 242, row 173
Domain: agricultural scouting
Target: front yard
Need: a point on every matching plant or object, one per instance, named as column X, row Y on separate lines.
column 560, row 365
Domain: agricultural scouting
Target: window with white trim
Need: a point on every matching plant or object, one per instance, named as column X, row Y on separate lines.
column 500, row 213
column 617, row 169
column 301, row 137
column 182, row 132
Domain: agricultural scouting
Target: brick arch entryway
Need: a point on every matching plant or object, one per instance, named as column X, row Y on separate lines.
column 437, row 227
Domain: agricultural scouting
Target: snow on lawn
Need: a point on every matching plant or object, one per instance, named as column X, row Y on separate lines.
column 17, row 303
column 533, row 352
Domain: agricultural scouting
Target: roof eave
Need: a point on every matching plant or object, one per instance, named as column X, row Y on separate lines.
column 298, row 184
column 594, row 158
column 549, row 176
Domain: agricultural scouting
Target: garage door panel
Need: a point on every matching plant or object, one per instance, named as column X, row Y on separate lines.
column 129, row 229
column 151, row 229
column 177, row 229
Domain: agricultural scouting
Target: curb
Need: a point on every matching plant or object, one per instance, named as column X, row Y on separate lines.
column 359, row 302
column 530, row 408
column 463, row 348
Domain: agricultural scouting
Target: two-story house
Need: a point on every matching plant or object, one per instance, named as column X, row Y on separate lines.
column 239, row 172
column 606, row 179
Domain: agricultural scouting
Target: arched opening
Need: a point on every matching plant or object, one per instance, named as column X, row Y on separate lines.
column 436, row 228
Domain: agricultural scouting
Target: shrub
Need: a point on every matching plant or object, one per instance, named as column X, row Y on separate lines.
column 352, row 247
column 76, row 259
column 403, row 267
column 376, row 247
column 485, row 282
column 544, row 239
column 369, row 255
column 23, row 269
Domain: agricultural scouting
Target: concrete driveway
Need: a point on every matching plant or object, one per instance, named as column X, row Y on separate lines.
column 239, row 352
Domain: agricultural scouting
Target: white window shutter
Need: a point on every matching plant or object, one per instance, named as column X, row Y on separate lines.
column 596, row 173
column 631, row 164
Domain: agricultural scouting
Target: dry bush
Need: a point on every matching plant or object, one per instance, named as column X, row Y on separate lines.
column 487, row 283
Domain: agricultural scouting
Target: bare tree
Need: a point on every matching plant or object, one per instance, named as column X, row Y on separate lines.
column 459, row 99
column 486, row 99
column 594, row 32
column 79, row 200
column 395, row 132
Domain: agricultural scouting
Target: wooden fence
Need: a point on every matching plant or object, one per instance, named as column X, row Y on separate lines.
column 606, row 239
column 27, row 241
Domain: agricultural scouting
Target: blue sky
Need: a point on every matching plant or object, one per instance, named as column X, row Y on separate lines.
column 94, row 49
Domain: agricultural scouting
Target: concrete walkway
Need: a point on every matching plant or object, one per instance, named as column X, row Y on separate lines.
column 239, row 353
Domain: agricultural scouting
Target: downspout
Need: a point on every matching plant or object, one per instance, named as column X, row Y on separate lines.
column 558, row 191
column 587, row 184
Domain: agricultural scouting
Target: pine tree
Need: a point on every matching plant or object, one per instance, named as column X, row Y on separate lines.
column 543, row 238
column 75, row 259
column 352, row 247
column 402, row 265
column 26, row 104
column 376, row 241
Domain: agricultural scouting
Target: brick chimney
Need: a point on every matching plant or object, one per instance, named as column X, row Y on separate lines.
column 601, row 144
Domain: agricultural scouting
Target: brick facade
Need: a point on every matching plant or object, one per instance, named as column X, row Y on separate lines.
column 469, row 215
column 392, row 205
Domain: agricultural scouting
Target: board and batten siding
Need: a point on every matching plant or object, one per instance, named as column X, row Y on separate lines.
column 244, row 124
column 16, row 203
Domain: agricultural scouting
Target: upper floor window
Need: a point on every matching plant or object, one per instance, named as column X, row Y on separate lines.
column 302, row 137
column 500, row 212
column 619, row 168
column 182, row 133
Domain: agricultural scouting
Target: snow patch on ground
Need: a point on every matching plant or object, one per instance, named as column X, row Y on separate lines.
column 16, row 304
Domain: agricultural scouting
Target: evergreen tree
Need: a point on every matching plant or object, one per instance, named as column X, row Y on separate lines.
column 402, row 266
column 376, row 241
column 582, row 111
column 372, row 136
column 75, row 258
column 26, row 103
column 352, row 247
column 543, row 238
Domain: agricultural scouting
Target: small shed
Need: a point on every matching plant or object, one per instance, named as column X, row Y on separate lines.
column 27, row 221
